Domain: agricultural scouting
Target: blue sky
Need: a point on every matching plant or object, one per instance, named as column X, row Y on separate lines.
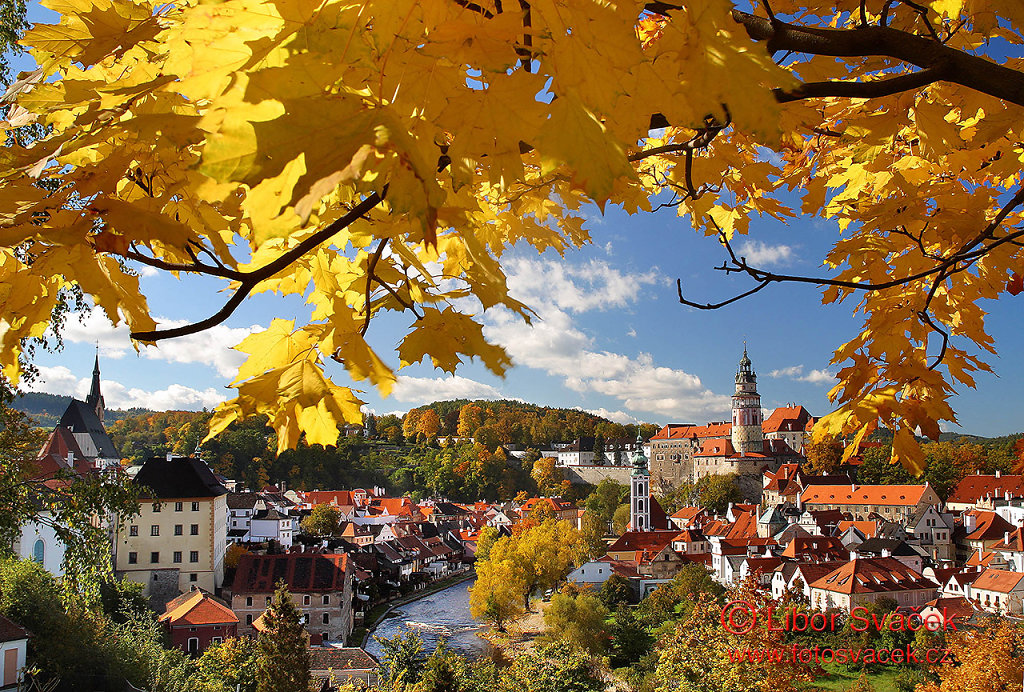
column 611, row 338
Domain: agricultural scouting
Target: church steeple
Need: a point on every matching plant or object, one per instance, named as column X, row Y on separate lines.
column 95, row 398
column 747, row 435
column 640, row 490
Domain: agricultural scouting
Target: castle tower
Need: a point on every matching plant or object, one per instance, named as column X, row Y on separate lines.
column 640, row 490
column 747, row 435
column 95, row 398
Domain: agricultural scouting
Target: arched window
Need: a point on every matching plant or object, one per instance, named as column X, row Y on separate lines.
column 39, row 551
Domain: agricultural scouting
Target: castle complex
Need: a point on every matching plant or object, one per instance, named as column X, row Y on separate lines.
column 747, row 445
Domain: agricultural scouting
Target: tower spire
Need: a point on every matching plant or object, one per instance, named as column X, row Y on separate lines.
column 95, row 398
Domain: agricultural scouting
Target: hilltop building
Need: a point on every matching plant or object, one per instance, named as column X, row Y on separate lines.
column 748, row 444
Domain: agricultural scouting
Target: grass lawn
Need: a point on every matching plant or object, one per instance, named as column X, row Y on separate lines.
column 841, row 678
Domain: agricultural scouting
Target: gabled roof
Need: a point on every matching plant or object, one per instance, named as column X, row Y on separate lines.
column 178, row 477
column 648, row 541
column 899, row 495
column 1014, row 544
column 197, row 608
column 11, row 631
column 689, row 514
column 79, row 417
column 873, row 575
column 999, row 580
column 973, row 488
column 787, row 419
column 984, row 559
column 243, row 500
column 820, row 547
column 677, row 431
column 989, row 526
column 300, row 571
column 334, row 658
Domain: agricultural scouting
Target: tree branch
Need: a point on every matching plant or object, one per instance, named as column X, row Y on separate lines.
column 958, row 67
column 249, row 280
column 862, row 90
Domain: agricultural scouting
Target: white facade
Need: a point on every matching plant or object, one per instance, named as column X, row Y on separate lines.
column 39, row 542
column 12, row 662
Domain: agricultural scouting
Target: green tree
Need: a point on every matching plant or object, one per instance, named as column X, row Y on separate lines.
column 615, row 592
column 323, row 521
column 229, row 666
column 578, row 620
column 592, row 532
column 402, row 659
column 283, row 647
column 620, row 519
column 485, row 541
column 606, row 498
column 556, row 667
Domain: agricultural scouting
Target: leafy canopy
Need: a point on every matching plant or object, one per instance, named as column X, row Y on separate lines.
column 383, row 155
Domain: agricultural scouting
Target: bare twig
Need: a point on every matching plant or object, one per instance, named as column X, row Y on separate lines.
column 247, row 281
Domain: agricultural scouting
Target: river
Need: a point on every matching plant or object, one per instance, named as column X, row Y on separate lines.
column 441, row 614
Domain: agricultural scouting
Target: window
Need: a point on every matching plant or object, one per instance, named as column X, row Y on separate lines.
column 154, row 530
column 248, row 619
column 177, row 556
column 193, row 577
column 327, row 619
column 268, row 600
column 154, row 556
column 133, row 558
column 179, row 529
column 156, row 506
column 248, row 600
column 194, row 529
column 133, row 530
column 39, row 551
column 193, row 556
column 178, row 506
column 325, row 636
column 195, row 506
column 305, row 600
column 327, row 600
column 193, row 645
column 216, row 640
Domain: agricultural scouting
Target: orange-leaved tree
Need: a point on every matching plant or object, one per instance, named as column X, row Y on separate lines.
column 383, row 155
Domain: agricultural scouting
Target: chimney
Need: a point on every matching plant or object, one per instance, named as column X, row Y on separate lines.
column 1006, row 537
column 71, row 458
column 998, row 473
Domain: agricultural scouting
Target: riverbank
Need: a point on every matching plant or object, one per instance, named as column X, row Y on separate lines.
column 379, row 612
column 520, row 635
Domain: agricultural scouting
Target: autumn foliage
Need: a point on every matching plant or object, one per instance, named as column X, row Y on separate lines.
column 382, row 156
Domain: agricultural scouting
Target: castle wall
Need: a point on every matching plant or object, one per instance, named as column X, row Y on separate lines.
column 579, row 475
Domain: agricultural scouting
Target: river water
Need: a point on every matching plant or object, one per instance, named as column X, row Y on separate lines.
column 441, row 614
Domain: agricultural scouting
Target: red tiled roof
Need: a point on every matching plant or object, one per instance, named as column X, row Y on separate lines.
column 680, row 432
column 11, row 631
column 197, row 608
column 999, row 580
column 786, row 419
column 823, row 547
column 873, row 575
column 973, row 488
column 868, row 528
column 901, row 495
column 957, row 607
column 300, row 571
column 989, row 526
column 643, row 541
column 1016, row 542
column 986, row 558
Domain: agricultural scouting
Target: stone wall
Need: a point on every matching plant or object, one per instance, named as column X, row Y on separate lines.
column 579, row 475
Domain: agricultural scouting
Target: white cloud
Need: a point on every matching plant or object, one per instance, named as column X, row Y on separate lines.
column 759, row 253
column 423, row 390
column 211, row 347
column 796, row 372
column 60, row 380
column 594, row 285
column 614, row 416
column 553, row 343
column 818, row 376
